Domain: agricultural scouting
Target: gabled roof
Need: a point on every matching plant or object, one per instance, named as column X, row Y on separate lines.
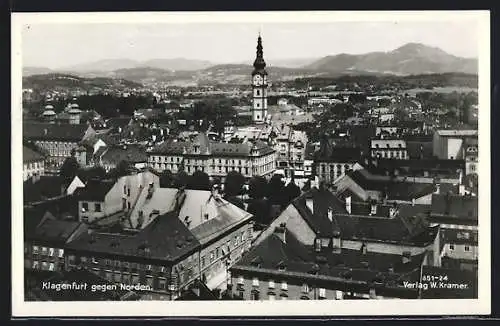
column 410, row 228
column 132, row 154
column 50, row 131
column 455, row 207
column 302, row 263
column 95, row 190
column 46, row 187
column 207, row 147
column 166, row 238
column 52, row 230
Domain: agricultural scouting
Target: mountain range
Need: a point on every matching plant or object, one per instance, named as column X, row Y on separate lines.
column 409, row 59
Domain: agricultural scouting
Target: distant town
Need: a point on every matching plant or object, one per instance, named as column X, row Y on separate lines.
column 275, row 184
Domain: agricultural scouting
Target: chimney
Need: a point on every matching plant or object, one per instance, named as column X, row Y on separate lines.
column 280, row 232
column 310, row 204
column 413, row 201
column 45, row 131
column 406, row 257
column 373, row 210
column 393, row 211
column 348, row 204
column 438, row 188
column 330, row 214
column 364, row 249
column 461, row 190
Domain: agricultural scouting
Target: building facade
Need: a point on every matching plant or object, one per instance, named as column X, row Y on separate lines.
column 214, row 158
column 33, row 164
column 389, row 148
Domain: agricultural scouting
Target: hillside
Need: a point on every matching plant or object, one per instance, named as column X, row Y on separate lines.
column 66, row 81
column 409, row 59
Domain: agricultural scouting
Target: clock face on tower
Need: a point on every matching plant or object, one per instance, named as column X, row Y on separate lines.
column 257, row 80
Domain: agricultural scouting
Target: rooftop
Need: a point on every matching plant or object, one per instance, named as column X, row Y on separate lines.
column 295, row 260
column 166, row 238
column 133, row 154
column 50, row 131
column 46, row 187
column 94, row 190
column 30, row 155
column 456, row 207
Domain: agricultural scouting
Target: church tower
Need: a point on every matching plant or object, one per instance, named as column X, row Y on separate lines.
column 259, row 86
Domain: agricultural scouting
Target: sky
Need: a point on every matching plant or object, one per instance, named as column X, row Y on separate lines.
column 63, row 45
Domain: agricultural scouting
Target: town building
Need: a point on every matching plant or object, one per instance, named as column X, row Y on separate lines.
column 254, row 158
column 110, row 157
column 365, row 186
column 321, row 247
column 33, row 164
column 389, row 148
column 45, row 238
column 259, row 86
column 453, row 144
column 106, row 201
column 174, row 238
column 333, row 162
column 56, row 140
column 290, row 148
column 457, row 216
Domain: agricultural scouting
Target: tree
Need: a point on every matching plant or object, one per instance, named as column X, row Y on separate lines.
column 167, row 179
column 258, row 186
column 275, row 190
column 69, row 169
column 261, row 210
column 199, row 181
column 181, row 179
column 233, row 184
column 292, row 191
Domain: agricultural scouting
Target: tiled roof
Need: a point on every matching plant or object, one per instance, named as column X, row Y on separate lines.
column 166, row 239
column 50, row 131
column 457, row 132
column 395, row 189
column 401, row 229
column 300, row 261
column 207, row 147
column 457, row 207
column 30, row 155
column 455, row 236
column 57, row 231
column 421, row 164
column 46, row 187
column 133, row 154
column 95, row 190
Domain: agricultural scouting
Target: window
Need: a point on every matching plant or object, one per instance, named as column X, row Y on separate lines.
column 51, row 252
column 339, row 295
column 85, row 218
column 35, row 264
column 162, row 284
column 284, row 285
column 271, row 284
column 217, row 253
column 51, row 267
column 85, row 207
column 322, row 293
column 97, row 207
column 284, row 297
column 255, row 281
column 317, row 245
column 452, row 247
column 305, row 288
column 128, row 205
column 212, row 256
column 35, row 249
column 467, row 248
column 124, row 190
column 272, row 297
column 255, row 296
column 241, row 280
column 44, row 250
column 128, row 192
column 202, row 261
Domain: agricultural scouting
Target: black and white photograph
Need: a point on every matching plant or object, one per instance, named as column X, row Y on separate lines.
column 313, row 163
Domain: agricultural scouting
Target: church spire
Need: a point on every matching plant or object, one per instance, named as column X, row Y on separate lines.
column 259, row 64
